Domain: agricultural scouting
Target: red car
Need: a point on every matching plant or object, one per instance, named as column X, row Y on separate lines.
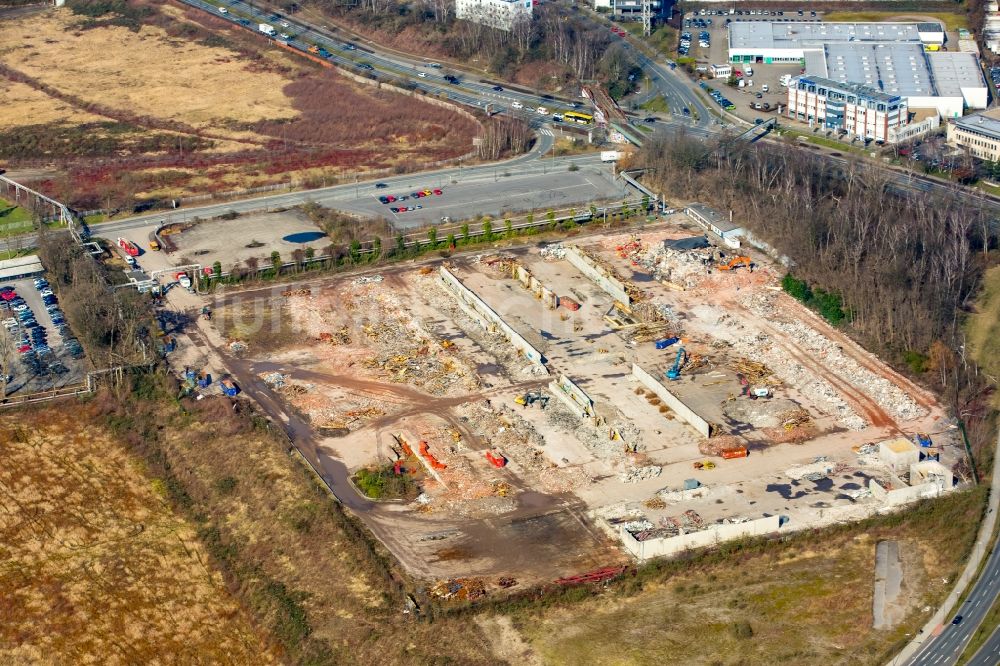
column 24, row 349
column 438, row 192
column 390, row 198
column 8, row 295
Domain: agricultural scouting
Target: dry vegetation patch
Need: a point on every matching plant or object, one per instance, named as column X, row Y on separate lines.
column 808, row 601
column 96, row 568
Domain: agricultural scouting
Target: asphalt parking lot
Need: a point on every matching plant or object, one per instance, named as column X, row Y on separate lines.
column 53, row 370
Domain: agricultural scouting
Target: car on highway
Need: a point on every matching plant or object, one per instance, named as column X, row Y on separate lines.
column 350, row 47
column 557, row 117
column 323, row 53
column 365, row 65
column 686, row 111
column 958, row 618
column 422, row 75
column 649, row 119
column 451, row 78
column 223, row 10
column 498, row 88
column 517, row 105
column 285, row 36
column 286, row 24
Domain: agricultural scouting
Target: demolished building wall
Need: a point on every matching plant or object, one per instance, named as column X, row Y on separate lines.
column 710, row 536
column 610, row 284
column 477, row 308
column 673, row 402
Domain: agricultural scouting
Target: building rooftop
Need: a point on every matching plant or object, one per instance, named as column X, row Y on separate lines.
column 767, row 35
column 898, row 69
column 714, row 218
column 955, row 71
column 10, row 268
column 868, row 92
column 984, row 123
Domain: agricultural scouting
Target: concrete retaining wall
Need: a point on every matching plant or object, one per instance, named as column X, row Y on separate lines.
column 532, row 284
column 614, row 287
column 574, row 397
column 904, row 494
column 476, row 308
column 673, row 402
column 711, row 536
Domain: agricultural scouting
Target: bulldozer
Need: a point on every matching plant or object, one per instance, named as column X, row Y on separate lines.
column 531, row 397
column 737, row 262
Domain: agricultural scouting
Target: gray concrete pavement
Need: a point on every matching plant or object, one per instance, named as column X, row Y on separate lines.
column 989, row 653
column 940, row 643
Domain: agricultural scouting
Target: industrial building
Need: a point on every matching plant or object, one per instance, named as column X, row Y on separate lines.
column 21, row 267
column 978, row 133
column 629, row 9
column 857, row 109
column 718, row 224
column 895, row 58
column 501, row 14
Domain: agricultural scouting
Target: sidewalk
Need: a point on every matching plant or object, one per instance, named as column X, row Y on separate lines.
column 968, row 577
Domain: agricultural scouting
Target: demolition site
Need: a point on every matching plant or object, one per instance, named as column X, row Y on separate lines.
column 537, row 412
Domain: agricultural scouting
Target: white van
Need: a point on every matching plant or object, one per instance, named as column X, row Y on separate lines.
column 748, row 71
column 517, row 105
column 542, row 111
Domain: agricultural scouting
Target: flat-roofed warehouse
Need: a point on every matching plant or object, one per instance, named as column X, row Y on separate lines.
column 948, row 81
column 766, row 42
column 889, row 57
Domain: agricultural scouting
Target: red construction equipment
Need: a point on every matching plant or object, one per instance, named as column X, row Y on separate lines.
column 129, row 247
column 496, row 460
column 597, row 576
column 429, row 457
column 735, row 452
column 569, row 303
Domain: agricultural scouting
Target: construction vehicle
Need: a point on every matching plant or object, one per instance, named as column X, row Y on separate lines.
column 735, row 452
column 154, row 242
column 705, row 465
column 666, row 342
column 679, row 362
column 128, row 247
column 531, row 397
column 496, row 460
column 737, row 262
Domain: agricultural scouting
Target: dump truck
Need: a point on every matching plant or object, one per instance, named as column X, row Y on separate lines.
column 128, row 247
column 154, row 242
column 267, row 29
column 735, row 452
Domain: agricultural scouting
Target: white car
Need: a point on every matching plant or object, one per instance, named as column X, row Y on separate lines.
column 542, row 111
column 20, row 308
column 422, row 75
column 285, row 36
column 223, row 10
column 517, row 105
column 763, row 88
column 285, row 24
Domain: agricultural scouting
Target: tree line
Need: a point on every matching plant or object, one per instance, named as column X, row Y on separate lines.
column 904, row 264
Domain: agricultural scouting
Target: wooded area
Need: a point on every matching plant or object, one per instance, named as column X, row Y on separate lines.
column 905, row 265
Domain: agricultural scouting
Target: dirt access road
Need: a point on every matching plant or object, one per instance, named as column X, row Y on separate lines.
column 544, row 538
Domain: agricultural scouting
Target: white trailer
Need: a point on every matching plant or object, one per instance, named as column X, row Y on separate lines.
column 267, row 29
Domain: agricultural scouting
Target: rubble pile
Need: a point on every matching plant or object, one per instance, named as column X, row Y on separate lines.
column 685, row 268
column 553, row 251
column 637, row 474
column 792, row 373
column 889, row 396
column 765, row 413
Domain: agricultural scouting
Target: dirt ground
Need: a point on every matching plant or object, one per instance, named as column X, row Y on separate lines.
column 98, row 568
column 378, row 365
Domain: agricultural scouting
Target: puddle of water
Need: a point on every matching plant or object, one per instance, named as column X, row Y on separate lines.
column 304, row 237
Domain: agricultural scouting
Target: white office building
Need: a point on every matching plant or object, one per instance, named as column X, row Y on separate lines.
column 857, row 109
column 629, row 9
column 502, row 14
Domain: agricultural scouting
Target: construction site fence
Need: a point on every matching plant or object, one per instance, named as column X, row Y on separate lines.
column 686, row 414
column 419, row 239
column 710, row 536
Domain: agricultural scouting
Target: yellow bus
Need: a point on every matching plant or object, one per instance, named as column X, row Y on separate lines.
column 581, row 118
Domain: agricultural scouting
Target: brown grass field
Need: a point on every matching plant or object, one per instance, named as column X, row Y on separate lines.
column 183, row 91
column 95, row 567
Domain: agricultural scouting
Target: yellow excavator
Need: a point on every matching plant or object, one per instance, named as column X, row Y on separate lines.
column 531, row 397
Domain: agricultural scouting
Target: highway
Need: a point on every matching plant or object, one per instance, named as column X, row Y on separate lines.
column 940, row 642
column 989, row 653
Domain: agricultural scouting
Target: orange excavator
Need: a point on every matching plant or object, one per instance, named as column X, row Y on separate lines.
column 737, row 262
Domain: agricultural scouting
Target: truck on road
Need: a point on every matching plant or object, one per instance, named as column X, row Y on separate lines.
column 267, row 29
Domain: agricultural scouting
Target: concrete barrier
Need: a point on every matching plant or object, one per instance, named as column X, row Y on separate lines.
column 710, row 536
column 673, row 402
column 574, row 397
column 611, row 285
column 479, row 311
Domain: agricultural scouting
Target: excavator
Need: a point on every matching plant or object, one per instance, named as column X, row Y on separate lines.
column 737, row 262
column 531, row 397
column 675, row 371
